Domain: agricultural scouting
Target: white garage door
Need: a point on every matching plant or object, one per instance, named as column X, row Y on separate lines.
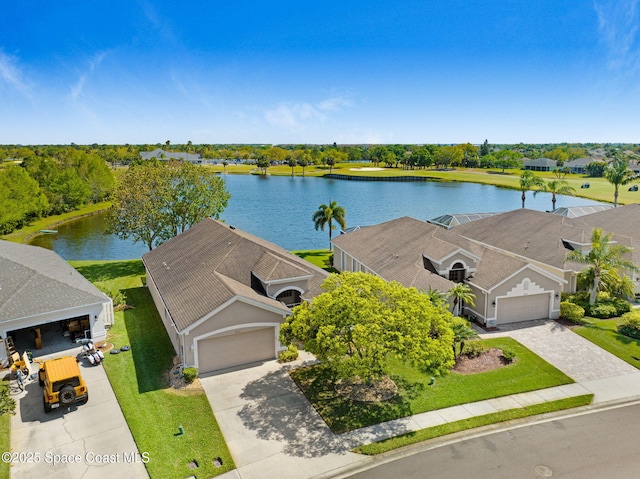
column 522, row 308
column 236, row 349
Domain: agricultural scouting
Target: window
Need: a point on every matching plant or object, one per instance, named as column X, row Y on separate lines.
column 457, row 273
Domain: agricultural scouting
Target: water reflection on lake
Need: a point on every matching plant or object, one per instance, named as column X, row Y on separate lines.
column 279, row 209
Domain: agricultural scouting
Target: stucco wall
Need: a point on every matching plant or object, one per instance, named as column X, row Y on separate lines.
column 237, row 314
column 174, row 337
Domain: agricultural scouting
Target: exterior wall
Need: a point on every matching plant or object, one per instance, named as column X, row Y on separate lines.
column 164, row 314
column 237, row 315
column 273, row 290
column 470, row 264
column 479, row 310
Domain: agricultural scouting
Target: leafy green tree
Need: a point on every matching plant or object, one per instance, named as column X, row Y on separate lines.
column 327, row 214
column 21, row 199
column 448, row 155
column 360, row 319
column 462, row 332
column 484, row 148
column 461, row 293
column 155, row 201
column 528, row 181
column 603, row 259
column 331, row 161
column 596, row 169
column 507, row 159
column 555, row 187
column 618, row 174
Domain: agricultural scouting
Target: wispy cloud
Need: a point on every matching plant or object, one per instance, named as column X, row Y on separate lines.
column 11, row 74
column 295, row 116
column 77, row 88
column 618, row 23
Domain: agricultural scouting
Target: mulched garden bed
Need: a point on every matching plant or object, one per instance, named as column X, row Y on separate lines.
column 487, row 361
column 356, row 390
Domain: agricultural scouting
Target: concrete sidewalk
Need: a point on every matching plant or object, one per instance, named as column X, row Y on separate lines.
column 273, row 431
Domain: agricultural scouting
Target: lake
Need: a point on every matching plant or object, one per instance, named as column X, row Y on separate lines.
column 279, row 209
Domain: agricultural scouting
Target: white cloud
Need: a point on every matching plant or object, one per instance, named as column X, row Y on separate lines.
column 294, row 116
column 618, row 22
column 78, row 88
column 11, row 75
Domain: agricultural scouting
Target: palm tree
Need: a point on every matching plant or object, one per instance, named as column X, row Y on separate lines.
column 328, row 214
column 529, row 181
column 603, row 257
column 437, row 297
column 555, row 187
column 461, row 293
column 618, row 174
column 462, row 331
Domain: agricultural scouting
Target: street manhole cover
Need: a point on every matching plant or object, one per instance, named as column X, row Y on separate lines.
column 543, row 471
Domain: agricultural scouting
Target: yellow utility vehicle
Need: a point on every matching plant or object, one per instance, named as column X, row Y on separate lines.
column 63, row 383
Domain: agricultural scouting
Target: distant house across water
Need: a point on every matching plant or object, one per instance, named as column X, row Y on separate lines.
column 171, row 155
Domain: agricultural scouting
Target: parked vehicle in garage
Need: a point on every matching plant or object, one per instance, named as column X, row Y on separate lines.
column 62, row 382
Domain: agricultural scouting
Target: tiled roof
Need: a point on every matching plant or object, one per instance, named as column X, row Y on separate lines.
column 184, row 269
column 35, row 280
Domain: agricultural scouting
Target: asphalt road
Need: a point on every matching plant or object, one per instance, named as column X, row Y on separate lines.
column 600, row 445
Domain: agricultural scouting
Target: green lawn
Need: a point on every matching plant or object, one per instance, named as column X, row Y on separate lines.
column 528, row 373
column 320, row 257
column 5, row 443
column 603, row 333
column 471, row 423
column 153, row 410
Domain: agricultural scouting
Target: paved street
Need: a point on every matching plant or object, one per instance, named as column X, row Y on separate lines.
column 589, row 446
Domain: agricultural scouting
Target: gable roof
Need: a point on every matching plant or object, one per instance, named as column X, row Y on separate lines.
column 545, row 162
column 35, row 281
column 201, row 269
column 623, row 220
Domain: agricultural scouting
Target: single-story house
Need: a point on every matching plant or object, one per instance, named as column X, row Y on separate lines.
column 170, row 155
column 579, row 165
column 41, row 293
column 222, row 294
column 540, row 164
column 426, row 256
column 514, row 262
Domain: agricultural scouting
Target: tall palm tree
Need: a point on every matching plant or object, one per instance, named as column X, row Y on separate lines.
column 437, row 297
column 461, row 293
column 528, row 181
column 618, row 174
column 327, row 214
column 555, row 187
column 603, row 257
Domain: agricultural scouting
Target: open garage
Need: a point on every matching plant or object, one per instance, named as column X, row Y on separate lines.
column 45, row 303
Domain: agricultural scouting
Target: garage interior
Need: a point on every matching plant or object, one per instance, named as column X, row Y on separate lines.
column 50, row 338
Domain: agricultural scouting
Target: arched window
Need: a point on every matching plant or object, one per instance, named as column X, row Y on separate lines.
column 290, row 297
column 457, row 273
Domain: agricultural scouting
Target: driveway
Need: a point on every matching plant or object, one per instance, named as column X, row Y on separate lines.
column 270, row 427
column 94, row 436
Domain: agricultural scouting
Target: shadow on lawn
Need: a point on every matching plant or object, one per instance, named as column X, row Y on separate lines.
column 151, row 348
column 112, row 270
column 278, row 411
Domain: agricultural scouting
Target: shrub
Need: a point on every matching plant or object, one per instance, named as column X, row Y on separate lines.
column 189, row 374
column 291, row 354
column 571, row 312
column 630, row 325
column 603, row 311
column 116, row 295
column 508, row 355
column 7, row 403
column 474, row 348
column 622, row 306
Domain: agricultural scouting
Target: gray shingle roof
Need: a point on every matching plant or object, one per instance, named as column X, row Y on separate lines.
column 35, row 280
column 199, row 270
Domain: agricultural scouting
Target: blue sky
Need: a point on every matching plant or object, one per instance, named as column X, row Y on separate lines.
column 426, row 71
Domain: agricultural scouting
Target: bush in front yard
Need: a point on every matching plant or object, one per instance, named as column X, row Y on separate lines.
column 603, row 311
column 630, row 325
column 290, row 354
column 190, row 374
column 571, row 312
column 474, row 348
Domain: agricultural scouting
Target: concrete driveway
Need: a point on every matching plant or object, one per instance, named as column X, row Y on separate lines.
column 270, row 427
column 94, row 436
